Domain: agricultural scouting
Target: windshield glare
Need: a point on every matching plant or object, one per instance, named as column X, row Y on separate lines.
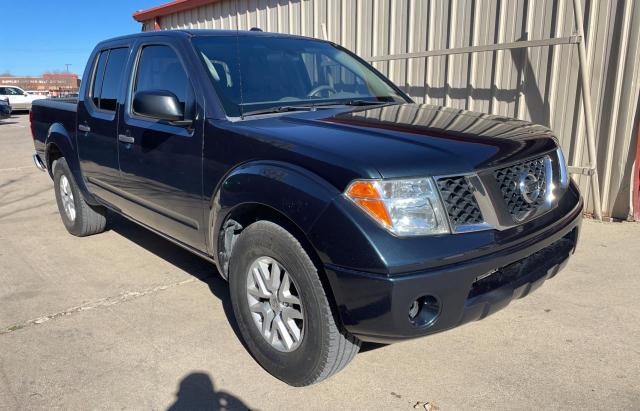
column 266, row 72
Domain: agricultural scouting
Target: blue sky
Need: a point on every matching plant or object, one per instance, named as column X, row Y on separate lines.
column 43, row 35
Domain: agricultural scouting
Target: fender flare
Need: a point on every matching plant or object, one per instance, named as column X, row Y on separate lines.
column 292, row 191
column 58, row 136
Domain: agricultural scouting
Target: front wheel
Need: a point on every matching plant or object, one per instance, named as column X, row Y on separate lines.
column 78, row 217
column 282, row 310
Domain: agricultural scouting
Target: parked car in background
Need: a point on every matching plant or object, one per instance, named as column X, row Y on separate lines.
column 5, row 108
column 40, row 93
column 339, row 210
column 65, row 95
column 18, row 98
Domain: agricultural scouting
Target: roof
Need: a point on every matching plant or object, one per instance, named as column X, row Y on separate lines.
column 169, row 8
column 59, row 75
column 201, row 32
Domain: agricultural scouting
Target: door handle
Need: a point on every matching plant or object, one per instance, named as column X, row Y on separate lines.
column 126, row 139
column 84, row 128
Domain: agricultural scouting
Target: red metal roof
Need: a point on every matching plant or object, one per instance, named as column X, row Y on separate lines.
column 169, row 8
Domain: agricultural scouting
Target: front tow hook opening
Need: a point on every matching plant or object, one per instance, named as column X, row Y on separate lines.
column 38, row 162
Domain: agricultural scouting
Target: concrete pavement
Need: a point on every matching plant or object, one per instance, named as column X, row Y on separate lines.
column 127, row 320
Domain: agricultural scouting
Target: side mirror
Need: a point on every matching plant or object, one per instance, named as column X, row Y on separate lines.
column 161, row 105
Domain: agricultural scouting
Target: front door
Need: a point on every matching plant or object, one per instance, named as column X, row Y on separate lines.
column 161, row 162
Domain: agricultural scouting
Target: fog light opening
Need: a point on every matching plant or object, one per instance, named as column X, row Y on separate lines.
column 424, row 311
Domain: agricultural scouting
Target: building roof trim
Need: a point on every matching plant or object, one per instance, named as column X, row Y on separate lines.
column 169, row 8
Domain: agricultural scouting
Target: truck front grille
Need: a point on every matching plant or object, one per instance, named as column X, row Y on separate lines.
column 509, row 179
column 503, row 197
column 459, row 201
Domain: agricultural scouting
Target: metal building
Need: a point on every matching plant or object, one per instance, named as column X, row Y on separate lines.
column 540, row 84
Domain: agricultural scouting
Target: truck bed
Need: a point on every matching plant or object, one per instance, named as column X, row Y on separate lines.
column 46, row 112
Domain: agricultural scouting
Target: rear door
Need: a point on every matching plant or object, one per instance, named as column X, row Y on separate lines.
column 98, row 115
column 160, row 162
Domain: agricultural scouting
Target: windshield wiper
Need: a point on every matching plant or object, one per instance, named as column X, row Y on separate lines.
column 278, row 109
column 356, row 102
column 364, row 103
column 314, row 106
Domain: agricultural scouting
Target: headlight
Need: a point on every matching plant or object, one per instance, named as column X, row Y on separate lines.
column 405, row 207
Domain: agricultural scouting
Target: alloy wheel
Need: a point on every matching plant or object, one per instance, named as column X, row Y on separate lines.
column 275, row 304
column 66, row 194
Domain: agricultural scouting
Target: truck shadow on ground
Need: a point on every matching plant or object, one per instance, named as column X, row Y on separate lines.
column 197, row 392
column 179, row 257
column 197, row 267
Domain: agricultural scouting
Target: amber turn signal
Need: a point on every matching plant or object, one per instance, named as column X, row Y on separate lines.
column 367, row 196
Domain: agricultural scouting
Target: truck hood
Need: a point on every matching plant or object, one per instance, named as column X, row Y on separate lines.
column 409, row 140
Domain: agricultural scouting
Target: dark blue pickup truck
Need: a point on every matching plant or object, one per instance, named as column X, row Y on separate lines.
column 339, row 210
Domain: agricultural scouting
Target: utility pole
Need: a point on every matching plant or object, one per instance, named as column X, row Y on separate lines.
column 67, row 65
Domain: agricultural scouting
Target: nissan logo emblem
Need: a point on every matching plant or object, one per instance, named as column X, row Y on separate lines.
column 529, row 187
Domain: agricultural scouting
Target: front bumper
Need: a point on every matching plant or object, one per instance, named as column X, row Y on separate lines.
column 376, row 308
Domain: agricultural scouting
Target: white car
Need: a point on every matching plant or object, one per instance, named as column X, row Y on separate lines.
column 18, row 98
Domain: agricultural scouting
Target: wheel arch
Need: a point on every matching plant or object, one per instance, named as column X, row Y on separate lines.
column 284, row 194
column 245, row 214
column 269, row 189
column 59, row 144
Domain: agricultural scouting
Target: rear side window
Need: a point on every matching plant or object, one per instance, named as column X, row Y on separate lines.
column 108, row 75
column 96, row 86
column 112, row 78
column 159, row 68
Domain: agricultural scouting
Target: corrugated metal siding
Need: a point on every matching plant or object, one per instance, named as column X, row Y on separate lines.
column 538, row 84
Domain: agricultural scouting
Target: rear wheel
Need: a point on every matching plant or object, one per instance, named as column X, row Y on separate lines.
column 78, row 217
column 282, row 310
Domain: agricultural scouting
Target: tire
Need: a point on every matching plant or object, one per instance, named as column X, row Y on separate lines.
column 85, row 219
column 324, row 348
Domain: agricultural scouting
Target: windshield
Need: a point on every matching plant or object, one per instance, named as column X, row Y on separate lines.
column 255, row 73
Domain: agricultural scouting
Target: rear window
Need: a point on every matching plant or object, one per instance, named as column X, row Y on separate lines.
column 107, row 78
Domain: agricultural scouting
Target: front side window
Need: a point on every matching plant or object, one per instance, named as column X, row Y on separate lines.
column 258, row 72
column 10, row 91
column 159, row 68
